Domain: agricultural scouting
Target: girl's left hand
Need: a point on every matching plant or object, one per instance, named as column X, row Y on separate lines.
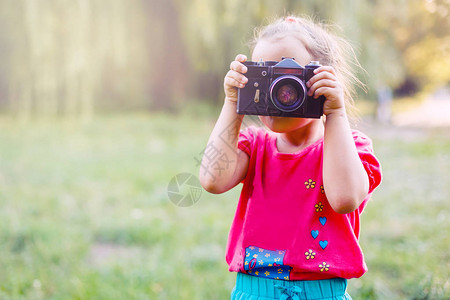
column 325, row 83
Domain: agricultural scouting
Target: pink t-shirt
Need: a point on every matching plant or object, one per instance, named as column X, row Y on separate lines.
column 284, row 227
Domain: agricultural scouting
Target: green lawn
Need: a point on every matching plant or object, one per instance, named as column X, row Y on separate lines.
column 85, row 213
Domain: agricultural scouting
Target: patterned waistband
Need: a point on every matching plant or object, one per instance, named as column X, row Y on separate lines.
column 265, row 288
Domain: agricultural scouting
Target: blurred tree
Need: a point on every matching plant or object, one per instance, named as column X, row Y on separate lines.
column 76, row 57
column 169, row 65
column 407, row 42
column 69, row 57
column 426, row 47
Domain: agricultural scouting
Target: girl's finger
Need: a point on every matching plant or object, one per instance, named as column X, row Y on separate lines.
column 321, row 83
column 231, row 82
column 237, row 76
column 238, row 67
column 323, row 91
column 320, row 76
column 241, row 58
column 235, row 79
column 325, row 69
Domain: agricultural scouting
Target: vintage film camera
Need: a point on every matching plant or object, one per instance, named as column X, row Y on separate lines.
column 279, row 89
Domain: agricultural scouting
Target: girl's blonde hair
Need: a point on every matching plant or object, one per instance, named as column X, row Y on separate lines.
column 323, row 46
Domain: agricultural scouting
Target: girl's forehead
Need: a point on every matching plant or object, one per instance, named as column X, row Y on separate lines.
column 276, row 49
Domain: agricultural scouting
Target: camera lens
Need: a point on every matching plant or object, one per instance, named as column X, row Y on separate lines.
column 287, row 93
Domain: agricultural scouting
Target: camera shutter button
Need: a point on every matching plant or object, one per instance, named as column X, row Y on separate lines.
column 314, row 63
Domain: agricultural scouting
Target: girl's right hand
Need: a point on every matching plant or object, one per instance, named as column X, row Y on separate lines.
column 235, row 79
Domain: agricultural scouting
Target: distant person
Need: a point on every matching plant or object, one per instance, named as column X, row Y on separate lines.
column 384, row 102
column 305, row 181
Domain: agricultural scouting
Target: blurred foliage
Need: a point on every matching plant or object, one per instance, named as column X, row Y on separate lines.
column 76, row 57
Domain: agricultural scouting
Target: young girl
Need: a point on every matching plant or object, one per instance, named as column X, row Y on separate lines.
column 305, row 181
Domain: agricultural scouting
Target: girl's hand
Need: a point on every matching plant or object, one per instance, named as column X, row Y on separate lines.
column 234, row 78
column 325, row 83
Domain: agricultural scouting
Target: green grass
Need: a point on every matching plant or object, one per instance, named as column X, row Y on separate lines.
column 406, row 229
column 85, row 214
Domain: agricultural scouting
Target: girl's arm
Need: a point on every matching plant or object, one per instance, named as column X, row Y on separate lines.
column 223, row 164
column 346, row 182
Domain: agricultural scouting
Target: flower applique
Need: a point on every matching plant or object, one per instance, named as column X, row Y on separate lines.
column 322, row 189
column 310, row 184
column 319, row 206
column 324, row 267
column 310, row 254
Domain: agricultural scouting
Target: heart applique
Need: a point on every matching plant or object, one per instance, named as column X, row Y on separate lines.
column 314, row 233
column 323, row 220
column 323, row 244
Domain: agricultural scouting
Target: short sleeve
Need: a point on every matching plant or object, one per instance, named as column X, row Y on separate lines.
column 246, row 140
column 368, row 159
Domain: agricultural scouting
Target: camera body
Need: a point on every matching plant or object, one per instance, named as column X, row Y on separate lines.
column 279, row 89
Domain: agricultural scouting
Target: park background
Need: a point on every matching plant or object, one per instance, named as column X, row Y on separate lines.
column 103, row 102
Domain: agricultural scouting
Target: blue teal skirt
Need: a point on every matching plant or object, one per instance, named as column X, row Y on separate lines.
column 258, row 288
